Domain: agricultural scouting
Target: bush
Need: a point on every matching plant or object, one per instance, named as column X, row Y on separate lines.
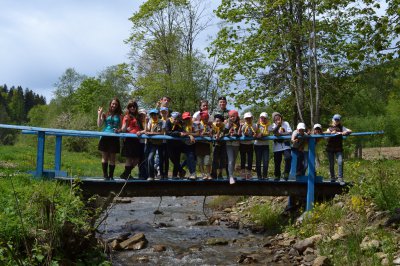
column 267, row 215
column 43, row 222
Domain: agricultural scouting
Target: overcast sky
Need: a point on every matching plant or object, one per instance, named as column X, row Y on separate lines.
column 40, row 39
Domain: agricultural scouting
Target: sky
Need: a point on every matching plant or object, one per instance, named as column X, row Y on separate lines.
column 40, row 39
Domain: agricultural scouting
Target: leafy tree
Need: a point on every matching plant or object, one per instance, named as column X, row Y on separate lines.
column 285, row 52
column 162, row 41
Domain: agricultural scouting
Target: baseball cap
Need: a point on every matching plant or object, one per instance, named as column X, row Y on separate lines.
column 164, row 108
column 317, row 126
column 248, row 115
column 301, row 126
column 336, row 117
column 186, row 115
column 153, row 111
column 204, row 115
column 264, row 114
column 175, row 114
column 142, row 111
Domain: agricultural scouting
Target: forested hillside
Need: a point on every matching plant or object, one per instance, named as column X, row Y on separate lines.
column 15, row 104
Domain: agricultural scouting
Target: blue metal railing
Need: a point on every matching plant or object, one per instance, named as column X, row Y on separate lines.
column 59, row 133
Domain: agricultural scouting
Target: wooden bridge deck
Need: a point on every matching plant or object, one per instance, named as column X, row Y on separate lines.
column 144, row 188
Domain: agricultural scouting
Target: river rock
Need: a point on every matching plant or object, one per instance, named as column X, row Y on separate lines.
column 122, row 200
column 308, row 242
column 321, row 261
column 115, row 245
column 138, row 245
column 142, row 259
column 309, row 258
column 385, row 262
column 367, row 243
column 308, row 251
column 159, row 248
column 293, row 252
column 201, row 223
column 396, row 261
column 216, row 241
column 132, row 240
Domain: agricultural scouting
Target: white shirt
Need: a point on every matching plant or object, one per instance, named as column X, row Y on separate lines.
column 281, row 145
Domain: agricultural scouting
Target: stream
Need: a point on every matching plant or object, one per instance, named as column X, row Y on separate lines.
column 181, row 226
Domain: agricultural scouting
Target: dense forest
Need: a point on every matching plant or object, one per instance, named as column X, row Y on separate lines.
column 15, row 104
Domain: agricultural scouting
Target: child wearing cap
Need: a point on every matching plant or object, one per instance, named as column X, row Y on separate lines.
column 203, row 107
column 219, row 154
column 202, row 148
column 232, row 146
column 281, row 147
column 109, row 146
column 165, row 163
column 190, row 131
column 143, row 120
column 261, row 147
column 334, row 147
column 317, row 130
column 246, row 149
column 299, row 143
column 174, row 128
column 154, row 127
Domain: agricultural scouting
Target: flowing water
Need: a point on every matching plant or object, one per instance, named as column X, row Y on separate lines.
column 179, row 226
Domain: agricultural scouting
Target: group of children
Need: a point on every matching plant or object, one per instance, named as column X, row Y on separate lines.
column 152, row 155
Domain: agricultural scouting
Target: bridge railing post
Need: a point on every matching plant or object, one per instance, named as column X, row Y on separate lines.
column 40, row 154
column 311, row 174
column 293, row 165
column 57, row 154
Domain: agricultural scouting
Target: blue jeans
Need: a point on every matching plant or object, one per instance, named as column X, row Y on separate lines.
column 331, row 159
column 190, row 158
column 262, row 155
column 232, row 152
column 152, row 149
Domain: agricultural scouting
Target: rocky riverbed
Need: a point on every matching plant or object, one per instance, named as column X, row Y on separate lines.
column 184, row 231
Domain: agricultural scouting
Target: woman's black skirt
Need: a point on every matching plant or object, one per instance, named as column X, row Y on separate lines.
column 109, row 144
column 131, row 148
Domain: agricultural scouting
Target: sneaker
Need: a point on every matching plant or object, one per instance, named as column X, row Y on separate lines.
column 182, row 174
column 124, row 175
column 285, row 176
column 205, row 176
column 341, row 181
column 150, row 179
column 277, row 179
column 232, row 180
column 157, row 177
column 192, row 177
column 333, row 179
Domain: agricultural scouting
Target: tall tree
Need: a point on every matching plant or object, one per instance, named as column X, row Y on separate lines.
column 273, row 50
column 163, row 38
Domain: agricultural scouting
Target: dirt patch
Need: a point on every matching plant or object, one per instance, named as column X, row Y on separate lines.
column 381, row 152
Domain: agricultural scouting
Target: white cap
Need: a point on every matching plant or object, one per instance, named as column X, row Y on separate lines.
column 317, row 125
column 301, row 126
column 248, row 115
column 264, row 114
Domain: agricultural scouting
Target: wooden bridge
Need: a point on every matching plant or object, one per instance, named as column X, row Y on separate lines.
column 310, row 186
